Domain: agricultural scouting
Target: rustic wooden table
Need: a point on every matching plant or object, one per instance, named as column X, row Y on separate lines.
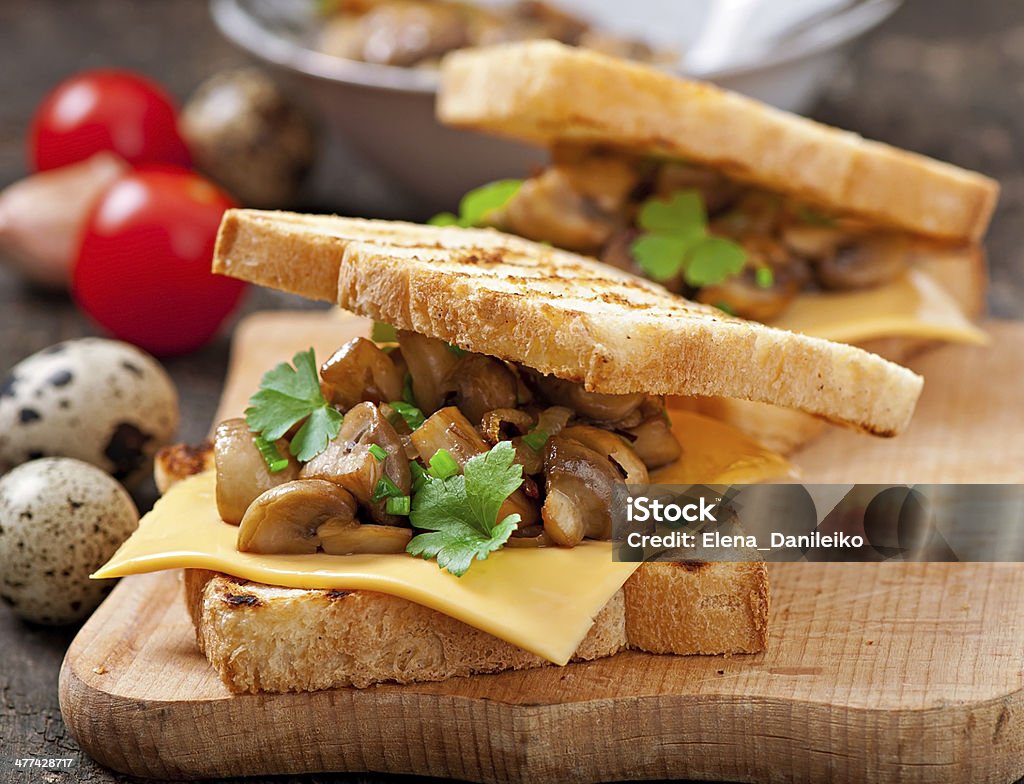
column 944, row 77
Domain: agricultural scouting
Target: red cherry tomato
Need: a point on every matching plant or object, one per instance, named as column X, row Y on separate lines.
column 106, row 110
column 143, row 269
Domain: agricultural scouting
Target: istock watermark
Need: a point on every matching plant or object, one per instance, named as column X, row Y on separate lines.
column 794, row 522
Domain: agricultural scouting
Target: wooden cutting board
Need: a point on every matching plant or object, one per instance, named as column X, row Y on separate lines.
column 875, row 672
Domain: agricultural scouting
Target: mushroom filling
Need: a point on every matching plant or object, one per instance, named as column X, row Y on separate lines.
column 591, row 201
column 427, row 408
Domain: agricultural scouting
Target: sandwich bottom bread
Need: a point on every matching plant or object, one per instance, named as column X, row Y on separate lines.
column 267, row 638
column 438, row 501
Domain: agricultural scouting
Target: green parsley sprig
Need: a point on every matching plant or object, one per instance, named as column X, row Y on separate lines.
column 676, row 242
column 461, row 511
column 289, row 395
column 478, row 204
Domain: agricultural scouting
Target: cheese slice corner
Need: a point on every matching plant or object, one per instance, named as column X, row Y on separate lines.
column 543, row 600
column 913, row 305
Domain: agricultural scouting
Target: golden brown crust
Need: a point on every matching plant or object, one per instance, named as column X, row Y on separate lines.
column 179, row 461
column 264, row 638
column 544, row 92
column 560, row 313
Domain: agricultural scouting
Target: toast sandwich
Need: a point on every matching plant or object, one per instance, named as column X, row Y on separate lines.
column 827, row 233
column 522, row 384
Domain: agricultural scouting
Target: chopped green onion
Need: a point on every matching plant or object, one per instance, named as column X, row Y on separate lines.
column 275, row 463
column 459, row 352
column 383, row 333
column 413, row 416
column 725, row 307
column 398, row 505
column 536, row 439
column 443, row 465
column 764, row 277
column 419, row 475
column 407, row 395
column 385, row 489
column 378, row 452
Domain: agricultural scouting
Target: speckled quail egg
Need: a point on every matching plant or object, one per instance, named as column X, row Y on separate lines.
column 97, row 400
column 250, row 135
column 60, row 520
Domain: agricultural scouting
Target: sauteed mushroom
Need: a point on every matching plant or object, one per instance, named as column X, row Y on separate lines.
column 592, row 405
column 742, row 294
column 492, row 423
column 448, row 429
column 870, row 262
column 580, row 483
column 478, row 384
column 654, row 442
column 360, row 371
column 340, row 538
column 575, row 207
column 430, row 361
column 287, row 519
column 350, row 462
column 613, row 447
column 242, row 473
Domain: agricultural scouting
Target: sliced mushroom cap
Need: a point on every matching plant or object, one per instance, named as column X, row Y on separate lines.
column 478, row 384
column 654, row 442
column 592, row 405
column 349, row 539
column 493, row 423
column 448, row 429
column 242, row 473
column 580, row 484
column 745, row 297
column 430, row 361
column 812, row 241
column 574, row 206
column 349, row 461
column 614, row 448
column 360, row 371
column 287, row 519
column 870, row 262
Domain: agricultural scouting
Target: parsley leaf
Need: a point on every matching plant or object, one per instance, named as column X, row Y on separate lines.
column 712, row 260
column 676, row 242
column 477, row 205
column 288, row 395
column 684, row 211
column 461, row 512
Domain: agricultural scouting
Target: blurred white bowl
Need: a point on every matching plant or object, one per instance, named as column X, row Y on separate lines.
column 383, row 116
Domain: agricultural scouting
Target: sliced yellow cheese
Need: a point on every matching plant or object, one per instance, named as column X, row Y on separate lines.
column 914, row 305
column 717, row 453
column 541, row 599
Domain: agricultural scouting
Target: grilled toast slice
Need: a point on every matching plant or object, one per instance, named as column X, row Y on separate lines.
column 546, row 93
column 266, row 638
column 559, row 313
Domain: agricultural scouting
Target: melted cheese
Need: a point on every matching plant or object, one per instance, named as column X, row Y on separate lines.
column 913, row 306
column 717, row 453
column 541, row 599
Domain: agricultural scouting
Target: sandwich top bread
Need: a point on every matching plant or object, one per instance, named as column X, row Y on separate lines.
column 559, row 313
column 766, row 214
column 439, row 502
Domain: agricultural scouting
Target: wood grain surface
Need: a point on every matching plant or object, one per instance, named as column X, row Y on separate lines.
column 874, row 672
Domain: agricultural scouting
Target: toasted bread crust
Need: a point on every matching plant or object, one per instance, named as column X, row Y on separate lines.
column 264, row 638
column 560, row 313
column 544, row 92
